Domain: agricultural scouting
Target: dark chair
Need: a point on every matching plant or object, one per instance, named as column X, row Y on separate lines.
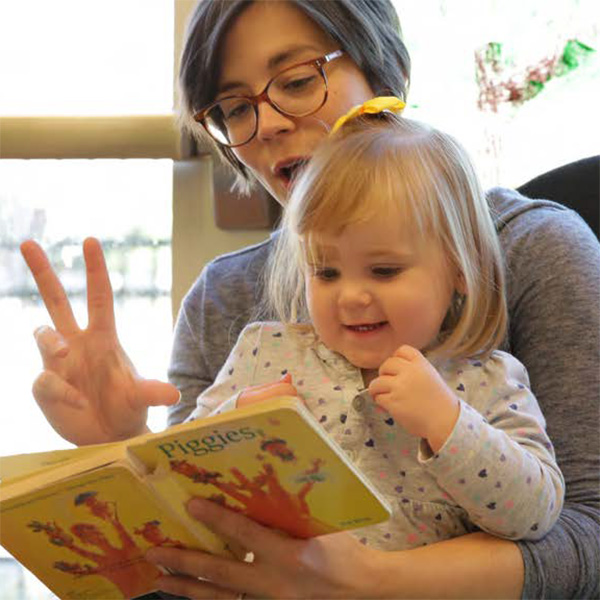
column 575, row 185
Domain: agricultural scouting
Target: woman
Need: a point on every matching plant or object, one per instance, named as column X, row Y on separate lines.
column 553, row 287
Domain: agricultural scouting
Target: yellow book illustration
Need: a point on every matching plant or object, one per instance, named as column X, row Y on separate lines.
column 82, row 519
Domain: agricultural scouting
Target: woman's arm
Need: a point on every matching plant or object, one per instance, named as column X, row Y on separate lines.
column 338, row 566
column 553, row 275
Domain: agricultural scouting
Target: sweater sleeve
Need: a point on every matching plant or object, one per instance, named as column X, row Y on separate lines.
column 553, row 276
column 498, row 463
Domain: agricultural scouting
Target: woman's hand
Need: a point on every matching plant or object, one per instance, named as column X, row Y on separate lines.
column 329, row 566
column 475, row 565
column 415, row 394
column 266, row 391
column 89, row 390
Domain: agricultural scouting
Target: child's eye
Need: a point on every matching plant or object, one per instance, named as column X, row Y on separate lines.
column 386, row 272
column 326, row 273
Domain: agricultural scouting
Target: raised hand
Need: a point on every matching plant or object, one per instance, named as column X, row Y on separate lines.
column 89, row 390
column 265, row 391
column 329, row 566
column 415, row 394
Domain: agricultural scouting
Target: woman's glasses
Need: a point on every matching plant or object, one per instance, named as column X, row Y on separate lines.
column 297, row 91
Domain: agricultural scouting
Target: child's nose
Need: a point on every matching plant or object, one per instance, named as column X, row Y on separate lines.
column 355, row 295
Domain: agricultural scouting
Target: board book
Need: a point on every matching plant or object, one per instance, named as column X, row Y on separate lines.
column 82, row 519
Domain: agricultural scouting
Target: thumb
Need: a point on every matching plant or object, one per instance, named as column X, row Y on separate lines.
column 152, row 392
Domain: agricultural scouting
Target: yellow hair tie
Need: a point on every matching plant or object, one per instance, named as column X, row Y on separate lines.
column 371, row 107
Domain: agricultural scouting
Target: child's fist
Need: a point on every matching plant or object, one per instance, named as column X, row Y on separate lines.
column 414, row 393
column 266, row 391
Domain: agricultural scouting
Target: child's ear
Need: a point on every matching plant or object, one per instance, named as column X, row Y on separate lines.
column 460, row 283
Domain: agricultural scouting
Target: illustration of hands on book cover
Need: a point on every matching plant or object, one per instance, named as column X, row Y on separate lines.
column 85, row 536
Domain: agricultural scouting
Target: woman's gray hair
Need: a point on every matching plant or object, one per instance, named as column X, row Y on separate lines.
column 367, row 30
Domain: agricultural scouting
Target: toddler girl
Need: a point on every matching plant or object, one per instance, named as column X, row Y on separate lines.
column 388, row 246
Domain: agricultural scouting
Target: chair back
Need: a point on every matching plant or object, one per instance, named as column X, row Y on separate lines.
column 575, row 185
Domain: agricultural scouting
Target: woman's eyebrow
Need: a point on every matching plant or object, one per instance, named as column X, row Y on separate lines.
column 289, row 53
column 272, row 64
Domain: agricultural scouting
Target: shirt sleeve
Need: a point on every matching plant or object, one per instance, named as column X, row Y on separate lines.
column 498, row 463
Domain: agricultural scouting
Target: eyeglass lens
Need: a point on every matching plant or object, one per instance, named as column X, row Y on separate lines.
column 296, row 92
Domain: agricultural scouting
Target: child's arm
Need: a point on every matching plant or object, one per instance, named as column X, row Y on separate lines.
column 492, row 454
column 498, row 462
column 236, row 384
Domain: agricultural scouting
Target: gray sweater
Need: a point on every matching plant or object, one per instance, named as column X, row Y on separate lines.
column 553, row 285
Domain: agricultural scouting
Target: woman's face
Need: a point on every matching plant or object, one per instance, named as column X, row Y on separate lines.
column 265, row 39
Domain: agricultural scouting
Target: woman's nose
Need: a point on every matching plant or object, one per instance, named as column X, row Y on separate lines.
column 271, row 122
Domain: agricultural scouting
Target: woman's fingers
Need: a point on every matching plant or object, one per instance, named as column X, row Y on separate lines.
column 225, row 573
column 222, row 573
column 191, row 587
column 234, row 526
column 156, row 393
column 51, row 390
column 50, row 287
column 101, row 311
column 51, row 344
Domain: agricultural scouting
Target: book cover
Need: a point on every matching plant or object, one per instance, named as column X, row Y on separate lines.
column 85, row 537
column 83, row 525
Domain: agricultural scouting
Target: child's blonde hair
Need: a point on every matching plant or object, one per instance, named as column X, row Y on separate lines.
column 393, row 166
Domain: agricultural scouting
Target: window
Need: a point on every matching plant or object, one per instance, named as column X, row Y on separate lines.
column 126, row 203
column 67, row 57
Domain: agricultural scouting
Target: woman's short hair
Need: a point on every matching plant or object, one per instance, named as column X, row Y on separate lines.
column 422, row 177
column 368, row 30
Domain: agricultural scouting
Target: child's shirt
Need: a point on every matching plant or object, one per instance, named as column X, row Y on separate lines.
column 496, row 471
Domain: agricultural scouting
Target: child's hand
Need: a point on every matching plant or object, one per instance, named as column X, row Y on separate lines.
column 415, row 394
column 265, row 391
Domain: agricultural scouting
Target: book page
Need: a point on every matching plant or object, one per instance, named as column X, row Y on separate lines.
column 22, row 465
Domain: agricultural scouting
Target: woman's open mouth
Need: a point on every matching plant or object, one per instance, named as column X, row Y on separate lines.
column 289, row 170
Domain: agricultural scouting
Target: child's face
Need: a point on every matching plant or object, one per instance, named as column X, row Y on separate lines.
column 372, row 290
